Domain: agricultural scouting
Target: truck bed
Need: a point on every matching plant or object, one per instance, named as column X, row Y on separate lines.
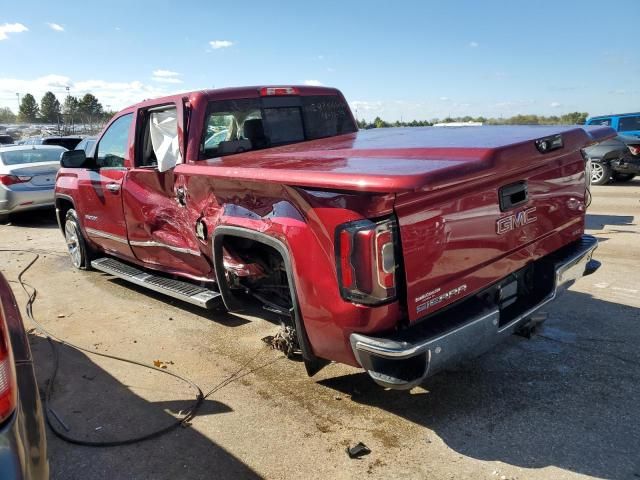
column 398, row 159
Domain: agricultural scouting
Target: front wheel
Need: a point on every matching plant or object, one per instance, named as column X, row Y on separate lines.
column 76, row 244
column 600, row 173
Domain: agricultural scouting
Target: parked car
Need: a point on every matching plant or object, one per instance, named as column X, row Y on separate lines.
column 27, row 177
column 67, row 142
column 23, row 445
column 6, row 140
column 88, row 144
column 400, row 251
column 624, row 123
column 615, row 159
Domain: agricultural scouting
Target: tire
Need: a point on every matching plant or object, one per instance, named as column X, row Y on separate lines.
column 623, row 177
column 4, row 218
column 600, row 173
column 79, row 250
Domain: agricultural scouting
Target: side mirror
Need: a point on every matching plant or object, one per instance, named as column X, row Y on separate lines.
column 73, row 159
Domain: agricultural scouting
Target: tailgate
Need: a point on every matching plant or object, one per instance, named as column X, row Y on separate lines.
column 463, row 237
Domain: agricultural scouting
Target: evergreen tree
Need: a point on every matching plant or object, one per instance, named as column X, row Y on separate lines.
column 28, row 109
column 89, row 106
column 49, row 108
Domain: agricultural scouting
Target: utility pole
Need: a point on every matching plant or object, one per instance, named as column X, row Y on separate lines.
column 69, row 114
column 18, row 95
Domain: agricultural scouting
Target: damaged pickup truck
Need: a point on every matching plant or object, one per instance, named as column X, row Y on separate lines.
column 397, row 250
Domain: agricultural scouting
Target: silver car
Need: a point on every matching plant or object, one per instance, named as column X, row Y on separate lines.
column 27, row 177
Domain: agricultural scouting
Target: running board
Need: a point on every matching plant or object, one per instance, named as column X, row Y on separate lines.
column 185, row 291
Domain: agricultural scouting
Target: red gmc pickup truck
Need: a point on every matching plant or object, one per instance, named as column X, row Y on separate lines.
column 398, row 250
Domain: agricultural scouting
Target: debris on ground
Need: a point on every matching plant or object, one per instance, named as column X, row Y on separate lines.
column 161, row 364
column 359, row 450
column 285, row 341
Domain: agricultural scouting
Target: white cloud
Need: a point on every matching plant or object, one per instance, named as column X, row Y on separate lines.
column 166, row 79
column 474, row 44
column 444, row 99
column 361, row 105
column 11, row 28
column 166, row 76
column 313, row 83
column 216, row 44
column 165, row 73
column 555, row 104
column 115, row 94
column 56, row 26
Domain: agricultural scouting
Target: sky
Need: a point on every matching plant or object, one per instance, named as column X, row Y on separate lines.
column 397, row 60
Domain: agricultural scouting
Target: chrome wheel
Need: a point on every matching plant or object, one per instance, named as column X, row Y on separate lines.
column 73, row 244
column 597, row 172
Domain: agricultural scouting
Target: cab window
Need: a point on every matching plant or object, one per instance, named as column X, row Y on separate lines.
column 112, row 148
column 628, row 124
column 601, row 121
column 239, row 125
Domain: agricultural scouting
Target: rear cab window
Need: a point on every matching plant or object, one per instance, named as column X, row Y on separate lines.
column 158, row 137
column 239, row 125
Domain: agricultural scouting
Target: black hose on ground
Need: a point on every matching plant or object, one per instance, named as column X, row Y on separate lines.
column 32, row 293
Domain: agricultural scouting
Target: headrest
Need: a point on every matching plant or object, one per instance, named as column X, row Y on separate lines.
column 253, row 128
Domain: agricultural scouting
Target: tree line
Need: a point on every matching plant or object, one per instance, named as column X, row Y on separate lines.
column 86, row 110
column 573, row 118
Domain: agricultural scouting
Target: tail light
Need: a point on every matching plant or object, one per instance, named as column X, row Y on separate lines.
column 635, row 149
column 7, row 374
column 366, row 261
column 13, row 179
column 278, row 91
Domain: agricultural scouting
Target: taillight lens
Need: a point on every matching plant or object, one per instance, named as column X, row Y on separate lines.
column 635, row 149
column 7, row 374
column 366, row 261
column 13, row 179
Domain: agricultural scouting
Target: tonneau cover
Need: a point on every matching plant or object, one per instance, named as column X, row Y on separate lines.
column 399, row 159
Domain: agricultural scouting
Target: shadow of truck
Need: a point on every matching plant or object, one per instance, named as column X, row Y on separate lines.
column 568, row 398
column 96, row 406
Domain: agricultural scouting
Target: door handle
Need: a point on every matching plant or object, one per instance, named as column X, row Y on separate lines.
column 113, row 187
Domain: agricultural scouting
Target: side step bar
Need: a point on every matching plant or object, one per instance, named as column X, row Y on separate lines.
column 185, row 291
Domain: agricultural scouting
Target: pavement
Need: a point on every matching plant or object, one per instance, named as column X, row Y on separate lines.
column 563, row 405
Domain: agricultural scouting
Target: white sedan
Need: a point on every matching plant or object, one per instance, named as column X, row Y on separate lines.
column 27, row 177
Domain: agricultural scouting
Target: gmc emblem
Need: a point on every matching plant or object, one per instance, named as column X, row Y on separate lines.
column 516, row 220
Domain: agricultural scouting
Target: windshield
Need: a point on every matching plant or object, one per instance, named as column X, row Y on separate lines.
column 235, row 126
column 18, row 157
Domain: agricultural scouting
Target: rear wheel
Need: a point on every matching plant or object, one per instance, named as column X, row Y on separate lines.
column 623, row 177
column 600, row 173
column 76, row 244
column 4, row 218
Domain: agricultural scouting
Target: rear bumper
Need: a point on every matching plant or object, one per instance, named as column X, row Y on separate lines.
column 628, row 164
column 17, row 200
column 402, row 360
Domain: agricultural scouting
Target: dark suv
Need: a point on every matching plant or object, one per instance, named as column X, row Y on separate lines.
column 67, row 142
column 616, row 159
